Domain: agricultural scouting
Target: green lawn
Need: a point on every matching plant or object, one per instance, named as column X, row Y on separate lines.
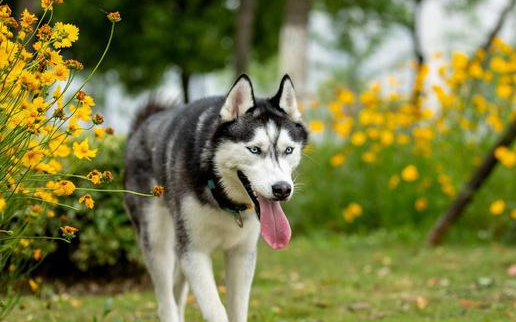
column 339, row 279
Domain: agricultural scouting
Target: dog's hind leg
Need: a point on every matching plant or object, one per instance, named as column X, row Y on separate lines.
column 180, row 291
column 157, row 240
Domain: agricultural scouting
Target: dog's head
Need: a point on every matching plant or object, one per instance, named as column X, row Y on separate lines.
column 259, row 143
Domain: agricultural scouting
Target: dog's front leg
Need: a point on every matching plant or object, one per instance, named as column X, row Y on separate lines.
column 240, row 264
column 198, row 269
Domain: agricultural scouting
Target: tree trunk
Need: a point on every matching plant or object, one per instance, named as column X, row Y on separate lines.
column 457, row 207
column 293, row 43
column 185, row 85
column 244, row 35
column 465, row 196
column 498, row 26
column 419, row 56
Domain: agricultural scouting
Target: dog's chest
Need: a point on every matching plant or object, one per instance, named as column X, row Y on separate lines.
column 209, row 228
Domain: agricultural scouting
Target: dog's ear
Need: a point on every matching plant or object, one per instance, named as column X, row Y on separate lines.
column 239, row 99
column 286, row 98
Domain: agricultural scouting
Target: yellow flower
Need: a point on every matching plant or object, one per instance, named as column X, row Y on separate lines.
column 410, row 173
column 32, row 157
column 99, row 132
column 495, row 122
column 5, row 11
column 28, row 80
column 358, row 138
column 158, row 190
column 421, row 204
column 459, row 60
column 513, row 214
column 2, row 203
column 114, row 16
column 386, row 137
column 497, row 207
column 36, row 254
column 369, row 157
column 64, row 35
column 82, row 150
column 108, row 176
column 61, row 72
column 505, row 156
column 83, row 113
column 336, row 109
column 59, row 149
column 316, row 126
column 27, row 19
column 47, row 4
column 24, row 242
column 352, row 211
column 337, row 160
column 88, row 201
column 393, row 182
column 402, row 139
column 343, row 127
column 504, row 91
column 63, row 188
column 346, row 97
column 95, row 176
column 68, row 231
column 33, row 285
column 74, row 128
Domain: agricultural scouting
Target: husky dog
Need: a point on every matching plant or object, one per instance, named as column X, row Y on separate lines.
column 226, row 164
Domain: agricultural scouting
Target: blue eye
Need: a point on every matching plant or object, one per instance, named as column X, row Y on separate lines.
column 254, row 149
column 289, row 150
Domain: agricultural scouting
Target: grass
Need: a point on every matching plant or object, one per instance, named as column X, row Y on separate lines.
column 338, row 279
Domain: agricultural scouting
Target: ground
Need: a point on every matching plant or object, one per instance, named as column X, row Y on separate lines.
column 337, row 279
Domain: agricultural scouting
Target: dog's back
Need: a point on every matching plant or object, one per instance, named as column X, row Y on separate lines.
column 165, row 148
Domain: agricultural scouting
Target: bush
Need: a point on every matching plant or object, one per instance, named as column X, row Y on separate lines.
column 41, row 120
column 106, row 239
column 383, row 159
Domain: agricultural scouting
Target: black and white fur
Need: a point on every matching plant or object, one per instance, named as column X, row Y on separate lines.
column 181, row 148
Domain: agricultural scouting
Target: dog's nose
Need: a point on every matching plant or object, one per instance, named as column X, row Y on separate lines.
column 281, row 190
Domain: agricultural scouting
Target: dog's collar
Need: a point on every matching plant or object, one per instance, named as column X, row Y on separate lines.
column 225, row 203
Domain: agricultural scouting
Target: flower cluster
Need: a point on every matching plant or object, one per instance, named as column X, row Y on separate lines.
column 44, row 130
column 469, row 103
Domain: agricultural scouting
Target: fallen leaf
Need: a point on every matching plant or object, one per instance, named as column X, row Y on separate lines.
column 190, row 299
column 386, row 261
column 421, row 302
column 485, row 282
column 359, row 306
column 432, row 282
column 467, row 304
column 512, row 270
column 75, row 302
column 385, row 270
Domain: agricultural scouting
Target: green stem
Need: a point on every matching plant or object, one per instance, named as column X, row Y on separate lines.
column 35, row 237
column 52, row 203
column 117, row 190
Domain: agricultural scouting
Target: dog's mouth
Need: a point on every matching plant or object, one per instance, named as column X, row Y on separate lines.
column 274, row 225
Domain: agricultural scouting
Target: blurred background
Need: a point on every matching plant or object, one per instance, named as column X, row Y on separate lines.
column 411, row 109
column 194, row 49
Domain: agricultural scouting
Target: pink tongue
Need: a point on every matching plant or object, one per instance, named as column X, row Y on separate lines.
column 274, row 224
